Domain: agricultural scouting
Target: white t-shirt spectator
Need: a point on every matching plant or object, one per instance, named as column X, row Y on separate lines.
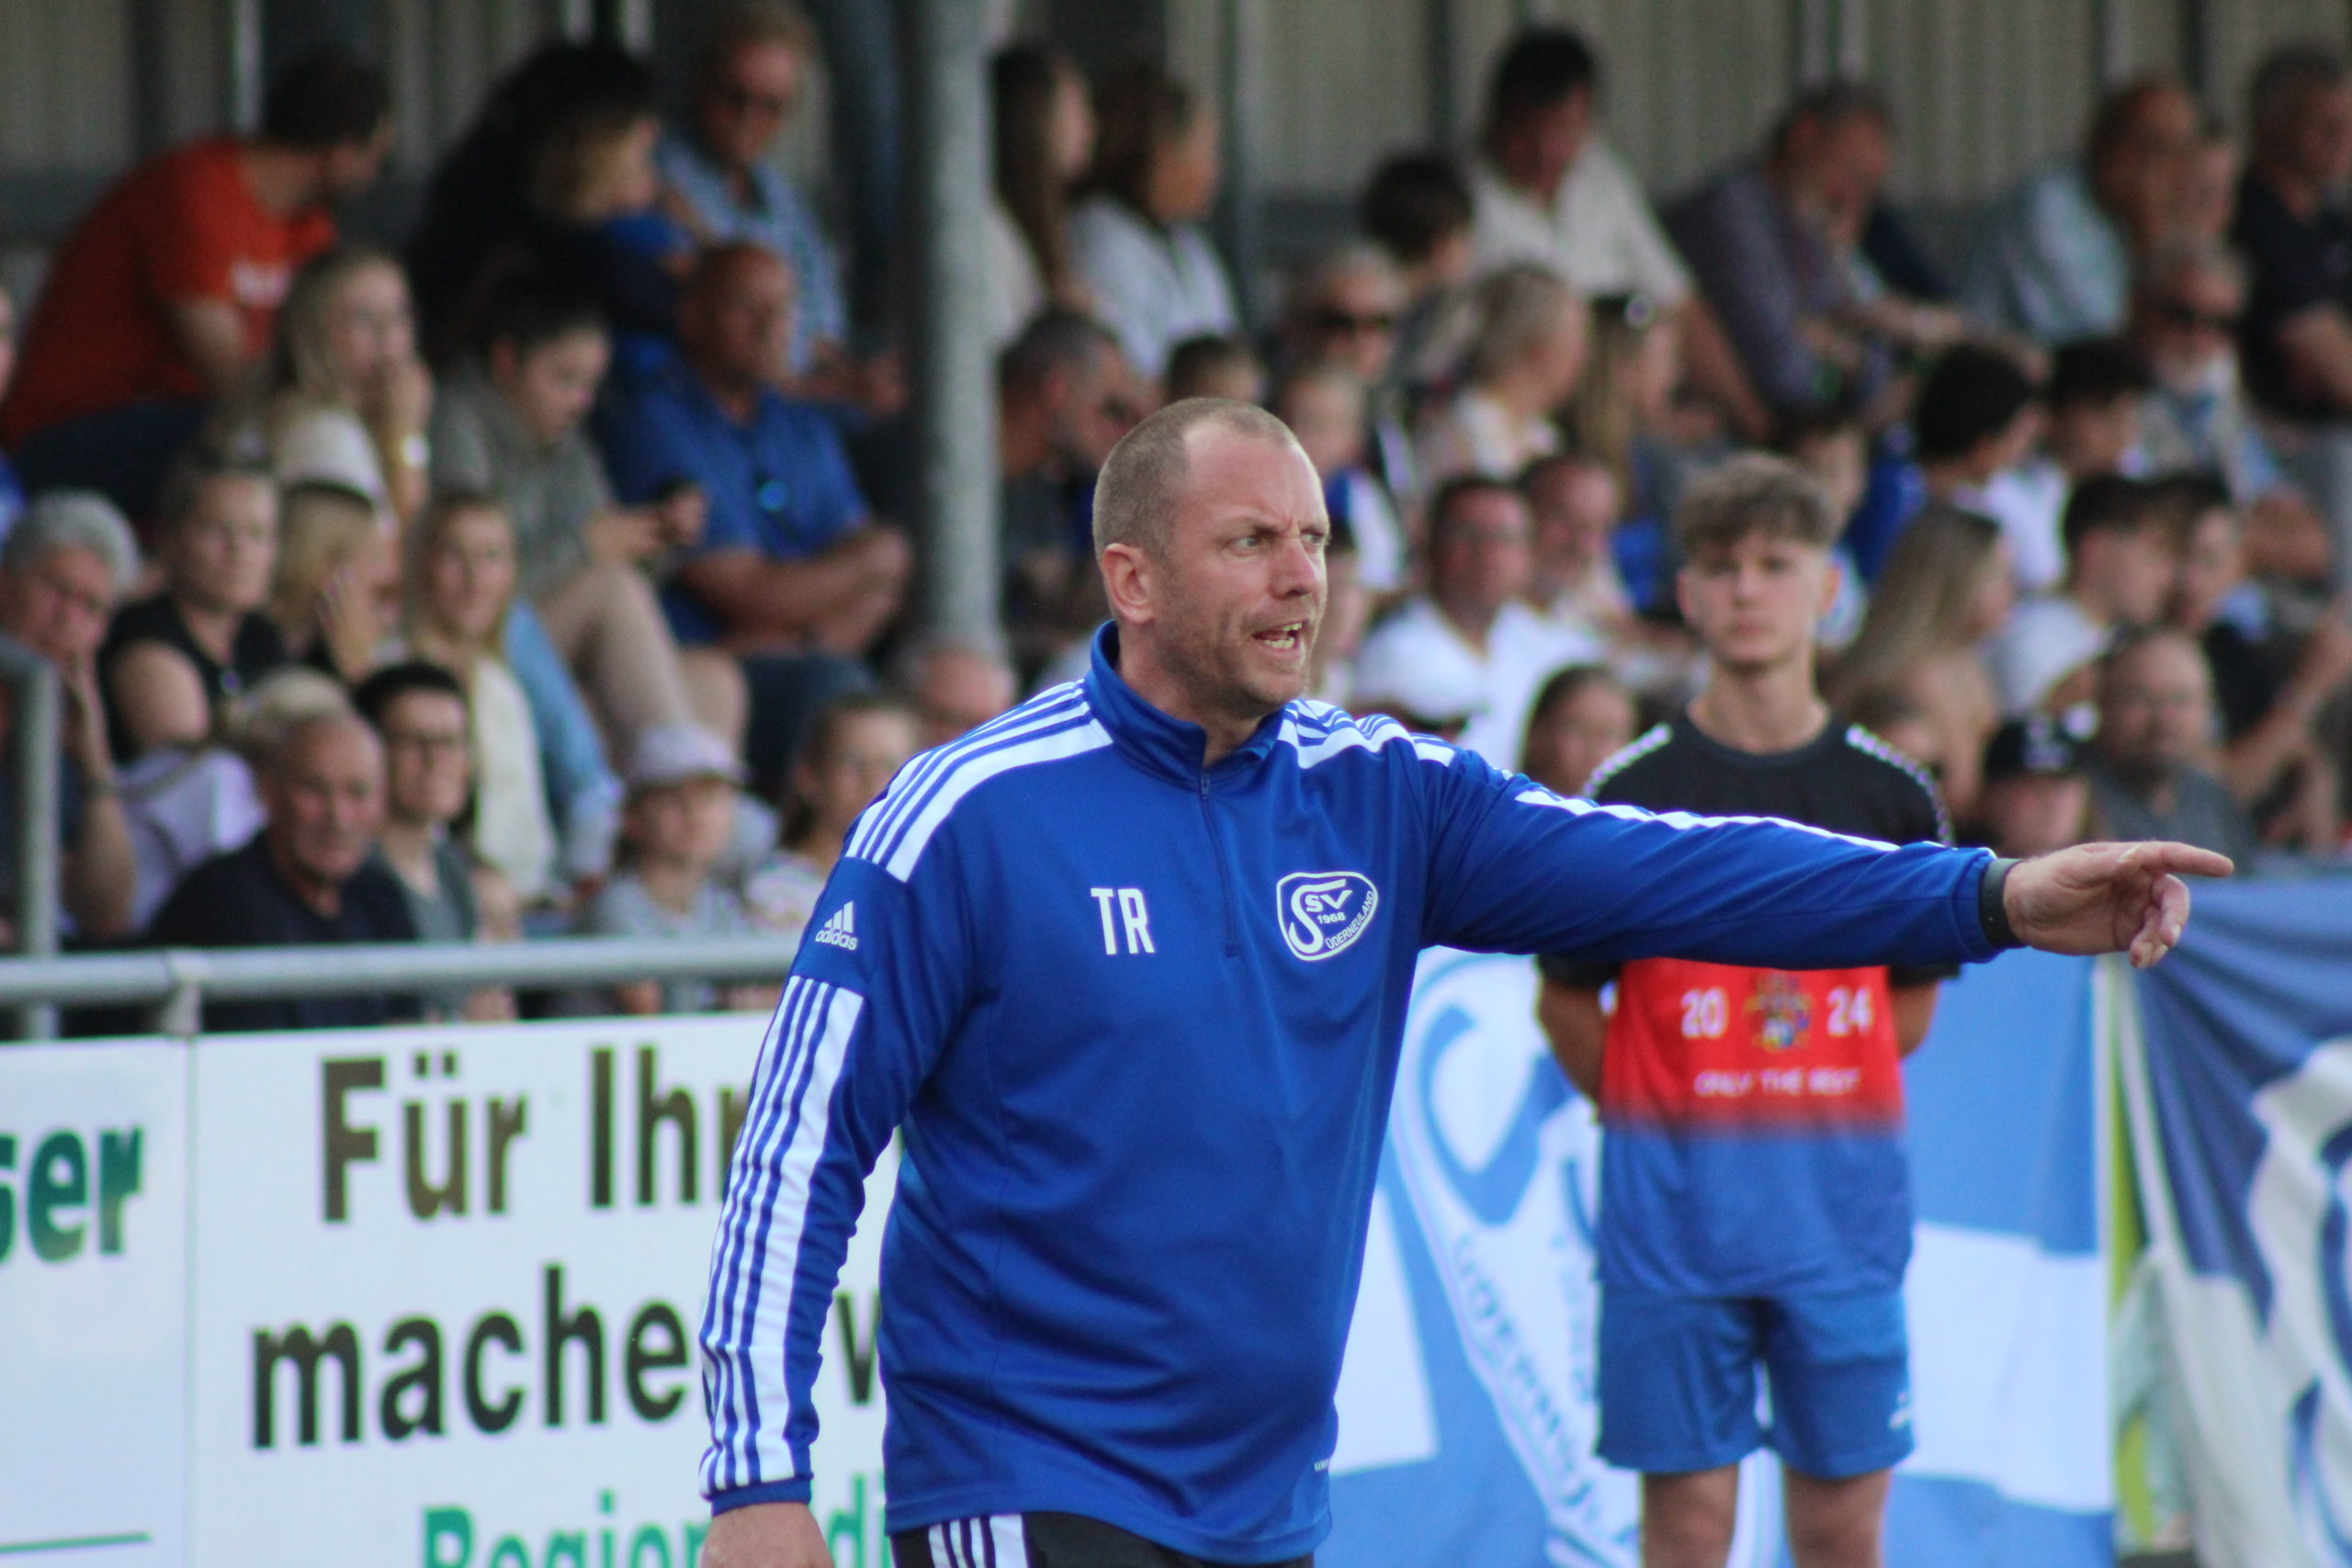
column 2045, row 641
column 1598, row 232
column 1152, row 287
column 1417, row 650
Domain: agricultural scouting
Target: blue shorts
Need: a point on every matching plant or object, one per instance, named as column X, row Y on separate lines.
column 1678, row 1381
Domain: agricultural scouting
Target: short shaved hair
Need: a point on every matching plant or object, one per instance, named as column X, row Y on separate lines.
column 1137, row 487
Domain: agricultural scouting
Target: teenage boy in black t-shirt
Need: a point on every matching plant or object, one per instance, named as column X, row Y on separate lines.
column 1755, row 1202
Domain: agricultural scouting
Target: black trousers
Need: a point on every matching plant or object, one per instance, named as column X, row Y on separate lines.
column 1042, row 1540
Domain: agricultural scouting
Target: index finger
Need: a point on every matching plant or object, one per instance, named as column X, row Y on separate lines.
column 2182, row 860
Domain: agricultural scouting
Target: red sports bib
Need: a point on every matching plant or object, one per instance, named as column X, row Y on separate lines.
column 1694, row 1043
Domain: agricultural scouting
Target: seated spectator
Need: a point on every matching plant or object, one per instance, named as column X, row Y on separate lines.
column 2156, row 709
column 1549, row 192
column 1975, row 423
column 2184, row 315
column 676, row 829
column 510, row 424
column 1064, row 398
column 1214, row 365
column 2090, row 425
column 460, row 589
column 477, row 207
column 1574, row 584
column 343, row 397
column 1626, row 412
column 1773, row 244
column 2036, row 798
column 2120, row 566
column 854, row 748
column 310, row 878
column 792, row 576
column 953, row 688
column 1325, row 406
column 163, row 296
column 2056, row 263
column 1947, row 588
column 1416, row 210
column 1526, row 359
column 419, row 712
column 1472, row 632
column 1135, row 241
column 1833, row 446
column 187, row 804
column 63, row 570
column 335, row 593
column 594, row 218
column 2205, row 196
column 747, row 84
column 1044, row 125
column 217, row 550
column 2277, row 696
column 1581, row 718
column 1345, row 310
column 2296, row 338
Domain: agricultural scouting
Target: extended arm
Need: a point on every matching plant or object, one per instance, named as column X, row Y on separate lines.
column 1517, row 869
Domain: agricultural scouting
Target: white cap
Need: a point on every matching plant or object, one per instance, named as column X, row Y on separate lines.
column 673, row 754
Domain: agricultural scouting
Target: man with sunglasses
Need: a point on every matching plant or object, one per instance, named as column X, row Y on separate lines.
column 2185, row 316
column 746, row 87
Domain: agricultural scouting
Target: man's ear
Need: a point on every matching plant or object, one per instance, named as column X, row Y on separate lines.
column 1131, row 584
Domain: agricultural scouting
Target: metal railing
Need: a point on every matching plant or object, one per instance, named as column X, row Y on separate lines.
column 33, row 740
column 176, row 981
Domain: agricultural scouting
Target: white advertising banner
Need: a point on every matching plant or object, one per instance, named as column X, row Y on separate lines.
column 92, row 1302
column 445, row 1292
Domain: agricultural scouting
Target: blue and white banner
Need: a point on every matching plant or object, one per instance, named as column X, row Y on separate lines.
column 2239, row 1082
column 1466, row 1407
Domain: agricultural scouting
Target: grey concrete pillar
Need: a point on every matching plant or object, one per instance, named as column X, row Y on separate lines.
column 954, row 378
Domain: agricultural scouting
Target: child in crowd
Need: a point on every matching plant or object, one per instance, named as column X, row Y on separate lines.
column 1754, row 1219
column 461, row 586
column 855, row 746
column 511, row 425
column 1583, row 716
column 1216, row 365
column 675, row 828
column 335, row 595
column 1978, row 418
column 1325, row 408
column 1833, row 446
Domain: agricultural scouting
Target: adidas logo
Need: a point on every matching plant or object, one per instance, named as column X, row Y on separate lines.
column 840, row 930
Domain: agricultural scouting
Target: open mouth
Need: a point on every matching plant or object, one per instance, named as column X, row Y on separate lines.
column 1288, row 638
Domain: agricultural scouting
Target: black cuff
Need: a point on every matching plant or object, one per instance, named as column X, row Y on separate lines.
column 1992, row 910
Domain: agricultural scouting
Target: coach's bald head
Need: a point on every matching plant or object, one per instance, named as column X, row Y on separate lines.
column 1210, row 526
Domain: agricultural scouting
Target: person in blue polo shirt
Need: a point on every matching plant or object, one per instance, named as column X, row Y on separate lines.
column 792, row 574
column 1129, row 966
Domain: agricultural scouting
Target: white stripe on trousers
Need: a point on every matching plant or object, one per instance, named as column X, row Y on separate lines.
column 997, row 1541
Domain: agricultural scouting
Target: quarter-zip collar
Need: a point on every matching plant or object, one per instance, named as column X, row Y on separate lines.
column 1156, row 740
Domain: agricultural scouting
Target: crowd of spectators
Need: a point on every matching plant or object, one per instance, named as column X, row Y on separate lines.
column 540, row 576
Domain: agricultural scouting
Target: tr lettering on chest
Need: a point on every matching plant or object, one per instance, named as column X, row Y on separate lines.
column 1123, row 913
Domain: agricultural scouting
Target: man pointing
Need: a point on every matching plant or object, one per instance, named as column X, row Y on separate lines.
column 1129, row 966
